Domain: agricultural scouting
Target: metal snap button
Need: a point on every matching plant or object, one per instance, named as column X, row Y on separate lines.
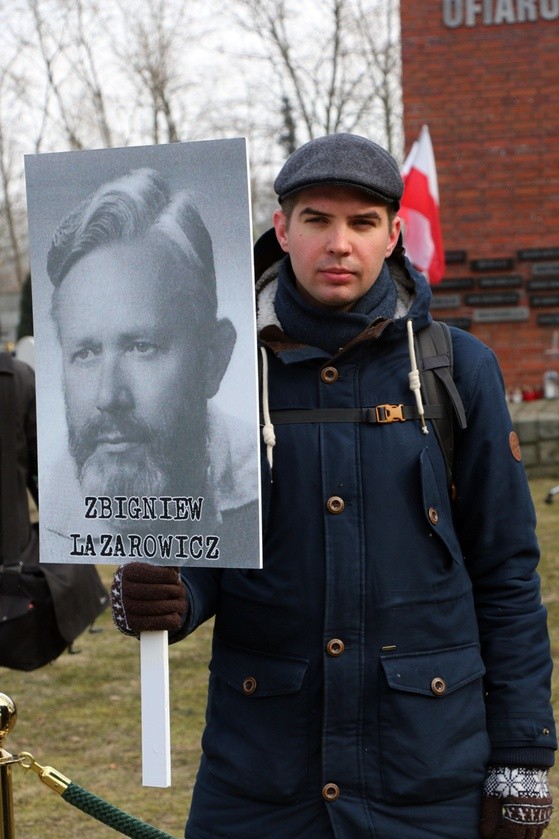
column 329, row 375
column 438, row 686
column 335, row 505
column 330, row 792
column 433, row 515
column 335, row 647
column 249, row 685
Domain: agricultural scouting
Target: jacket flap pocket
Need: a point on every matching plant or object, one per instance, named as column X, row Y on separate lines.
column 252, row 672
column 434, row 673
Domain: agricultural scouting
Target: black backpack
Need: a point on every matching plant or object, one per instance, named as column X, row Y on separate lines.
column 436, row 360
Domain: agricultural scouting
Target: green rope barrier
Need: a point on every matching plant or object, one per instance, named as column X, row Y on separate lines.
column 110, row 815
column 91, row 804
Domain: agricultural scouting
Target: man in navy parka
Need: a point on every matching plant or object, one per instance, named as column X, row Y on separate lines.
column 387, row 673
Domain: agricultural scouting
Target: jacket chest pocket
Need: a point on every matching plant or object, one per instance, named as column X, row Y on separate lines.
column 257, row 730
column 433, row 735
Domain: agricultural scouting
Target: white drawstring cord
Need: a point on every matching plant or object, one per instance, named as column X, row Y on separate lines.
column 415, row 381
column 268, row 432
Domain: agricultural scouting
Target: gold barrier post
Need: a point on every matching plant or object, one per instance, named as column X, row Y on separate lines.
column 8, row 716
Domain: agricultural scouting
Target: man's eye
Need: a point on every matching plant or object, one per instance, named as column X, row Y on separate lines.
column 142, row 348
column 82, row 355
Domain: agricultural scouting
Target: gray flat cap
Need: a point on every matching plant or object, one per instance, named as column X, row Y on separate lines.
column 344, row 159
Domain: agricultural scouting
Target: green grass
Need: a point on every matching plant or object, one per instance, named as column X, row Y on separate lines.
column 81, row 715
column 548, row 534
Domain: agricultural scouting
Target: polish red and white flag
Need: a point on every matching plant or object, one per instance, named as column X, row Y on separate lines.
column 420, row 209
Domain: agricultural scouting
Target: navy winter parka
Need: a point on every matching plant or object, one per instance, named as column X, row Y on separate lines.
column 394, row 642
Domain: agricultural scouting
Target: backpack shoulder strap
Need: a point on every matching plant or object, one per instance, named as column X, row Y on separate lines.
column 434, row 343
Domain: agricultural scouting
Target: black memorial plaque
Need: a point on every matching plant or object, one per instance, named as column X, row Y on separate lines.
column 535, row 254
column 510, row 281
column 446, row 301
column 503, row 314
column 455, row 257
column 545, row 269
column 453, row 284
column 499, row 264
column 461, row 323
column 506, row 298
column 543, row 284
column 538, row 301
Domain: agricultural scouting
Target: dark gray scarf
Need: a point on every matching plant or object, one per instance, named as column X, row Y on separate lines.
column 329, row 329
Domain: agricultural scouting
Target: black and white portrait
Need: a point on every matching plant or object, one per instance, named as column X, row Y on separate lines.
column 145, row 355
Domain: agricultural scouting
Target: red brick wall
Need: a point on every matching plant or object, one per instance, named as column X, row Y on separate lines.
column 489, row 93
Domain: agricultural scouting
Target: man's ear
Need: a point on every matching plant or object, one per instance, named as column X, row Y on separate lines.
column 219, row 355
column 280, row 225
column 395, row 231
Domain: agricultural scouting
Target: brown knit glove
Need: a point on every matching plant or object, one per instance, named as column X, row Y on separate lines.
column 516, row 803
column 148, row 597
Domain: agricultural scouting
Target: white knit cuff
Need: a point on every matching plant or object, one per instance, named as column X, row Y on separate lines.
column 513, row 782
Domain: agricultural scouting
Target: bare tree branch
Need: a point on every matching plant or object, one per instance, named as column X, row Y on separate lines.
column 49, row 59
column 87, row 70
column 7, row 176
column 335, row 71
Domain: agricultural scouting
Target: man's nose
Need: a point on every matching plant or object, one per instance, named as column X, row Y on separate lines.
column 113, row 391
column 339, row 242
